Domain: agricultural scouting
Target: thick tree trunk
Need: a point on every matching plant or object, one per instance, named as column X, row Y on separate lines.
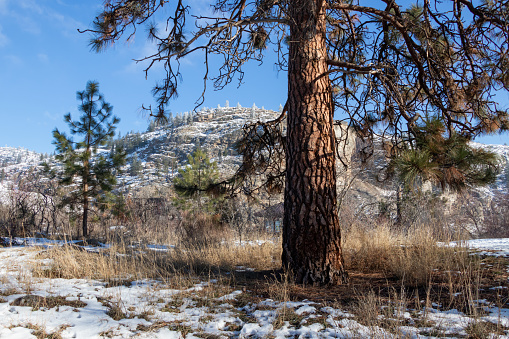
column 311, row 235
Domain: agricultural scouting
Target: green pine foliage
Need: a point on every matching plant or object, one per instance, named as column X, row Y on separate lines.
column 90, row 173
column 152, row 126
column 199, row 174
column 136, row 165
column 197, row 177
column 446, row 160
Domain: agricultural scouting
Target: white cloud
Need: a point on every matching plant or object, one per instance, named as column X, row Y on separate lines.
column 3, row 6
column 18, row 10
column 3, row 38
column 13, row 60
column 43, row 57
column 149, row 48
column 31, row 5
column 68, row 24
column 27, row 23
column 50, row 116
column 30, row 15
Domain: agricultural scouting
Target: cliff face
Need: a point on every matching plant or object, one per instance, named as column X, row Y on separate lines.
column 365, row 189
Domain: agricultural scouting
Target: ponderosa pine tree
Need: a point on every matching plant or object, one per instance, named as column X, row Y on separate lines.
column 92, row 173
column 197, row 176
column 384, row 66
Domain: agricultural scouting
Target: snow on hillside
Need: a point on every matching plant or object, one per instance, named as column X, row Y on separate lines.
column 19, row 155
column 15, row 163
column 502, row 182
column 163, row 149
column 17, row 160
column 489, row 247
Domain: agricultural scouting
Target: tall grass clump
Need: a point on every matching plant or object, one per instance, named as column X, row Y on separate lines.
column 115, row 263
column 121, row 263
column 410, row 255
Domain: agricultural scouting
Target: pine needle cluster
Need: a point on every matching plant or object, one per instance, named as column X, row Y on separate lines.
column 444, row 160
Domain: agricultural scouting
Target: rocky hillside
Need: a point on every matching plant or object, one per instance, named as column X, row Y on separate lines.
column 155, row 156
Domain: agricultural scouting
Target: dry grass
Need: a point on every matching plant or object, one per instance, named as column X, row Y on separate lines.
column 71, row 262
column 415, row 272
column 228, row 257
column 121, row 264
column 36, row 302
column 40, row 333
column 411, row 256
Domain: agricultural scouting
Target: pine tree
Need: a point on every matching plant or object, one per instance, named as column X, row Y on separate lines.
column 199, row 174
column 506, row 177
column 151, row 126
column 386, row 65
column 136, row 165
column 253, row 110
column 177, row 120
column 90, row 172
column 170, row 119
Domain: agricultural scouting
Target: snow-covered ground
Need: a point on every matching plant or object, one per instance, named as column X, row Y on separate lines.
column 79, row 308
column 492, row 247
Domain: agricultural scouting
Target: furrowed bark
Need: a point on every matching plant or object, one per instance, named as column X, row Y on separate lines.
column 311, row 235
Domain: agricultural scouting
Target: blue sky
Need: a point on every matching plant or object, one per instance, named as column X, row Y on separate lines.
column 44, row 61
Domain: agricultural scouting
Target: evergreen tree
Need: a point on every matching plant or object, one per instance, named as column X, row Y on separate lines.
column 177, row 120
column 386, row 65
column 197, row 177
column 136, row 165
column 253, row 110
column 91, row 173
column 506, row 177
column 170, row 119
column 151, row 126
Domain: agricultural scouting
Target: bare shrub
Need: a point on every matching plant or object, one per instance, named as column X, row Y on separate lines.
column 145, row 217
column 32, row 206
column 198, row 229
column 496, row 217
